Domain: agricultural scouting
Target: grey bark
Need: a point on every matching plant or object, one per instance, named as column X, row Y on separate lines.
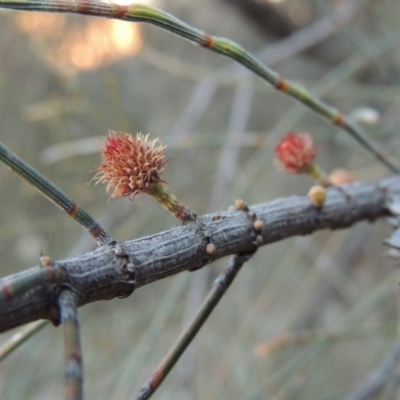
column 117, row 270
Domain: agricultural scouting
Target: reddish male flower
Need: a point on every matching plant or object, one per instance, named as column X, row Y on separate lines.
column 296, row 153
column 132, row 165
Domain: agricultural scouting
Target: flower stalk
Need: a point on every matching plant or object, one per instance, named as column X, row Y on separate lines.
column 162, row 194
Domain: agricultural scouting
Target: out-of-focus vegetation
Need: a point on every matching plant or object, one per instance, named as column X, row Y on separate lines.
column 65, row 80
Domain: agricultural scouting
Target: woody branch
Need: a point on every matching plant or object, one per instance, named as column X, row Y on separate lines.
column 116, row 270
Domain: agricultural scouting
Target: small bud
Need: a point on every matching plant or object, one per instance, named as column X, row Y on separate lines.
column 46, row 261
column 258, row 225
column 132, row 165
column 340, row 176
column 259, row 239
column 317, row 195
column 240, row 205
column 211, row 249
column 366, row 115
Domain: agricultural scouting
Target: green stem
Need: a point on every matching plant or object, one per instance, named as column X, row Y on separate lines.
column 223, row 46
column 53, row 193
column 316, row 173
column 162, row 194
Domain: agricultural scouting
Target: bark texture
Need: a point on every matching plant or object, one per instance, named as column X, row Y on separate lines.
column 116, row 270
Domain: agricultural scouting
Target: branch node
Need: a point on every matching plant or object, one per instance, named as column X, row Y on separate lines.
column 119, row 251
column 128, row 269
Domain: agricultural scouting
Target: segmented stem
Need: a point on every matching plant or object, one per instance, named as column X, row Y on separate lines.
column 73, row 353
column 53, row 193
column 223, row 46
column 162, row 194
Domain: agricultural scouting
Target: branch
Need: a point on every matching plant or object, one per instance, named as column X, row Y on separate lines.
column 219, row 45
column 116, row 270
column 73, row 352
column 83, row 244
column 53, row 193
column 221, row 285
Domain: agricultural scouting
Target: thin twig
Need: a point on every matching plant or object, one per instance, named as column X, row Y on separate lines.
column 54, row 194
column 274, row 53
column 115, row 271
column 21, row 337
column 73, row 353
column 223, row 46
column 376, row 382
column 221, row 284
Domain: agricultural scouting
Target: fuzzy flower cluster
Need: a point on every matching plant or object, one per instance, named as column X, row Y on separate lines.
column 130, row 165
column 296, row 153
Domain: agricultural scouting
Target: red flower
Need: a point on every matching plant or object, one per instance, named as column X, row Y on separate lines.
column 296, row 153
column 130, row 165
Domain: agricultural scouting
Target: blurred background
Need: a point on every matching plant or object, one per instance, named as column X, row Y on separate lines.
column 307, row 318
